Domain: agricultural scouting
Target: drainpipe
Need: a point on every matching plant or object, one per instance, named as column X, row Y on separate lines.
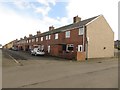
column 83, row 37
column 85, row 44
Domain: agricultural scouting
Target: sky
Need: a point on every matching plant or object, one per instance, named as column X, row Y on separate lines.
column 20, row 18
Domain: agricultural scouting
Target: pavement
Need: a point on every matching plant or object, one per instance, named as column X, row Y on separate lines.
column 0, row 69
column 52, row 72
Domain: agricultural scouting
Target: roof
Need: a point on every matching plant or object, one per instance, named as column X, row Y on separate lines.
column 69, row 27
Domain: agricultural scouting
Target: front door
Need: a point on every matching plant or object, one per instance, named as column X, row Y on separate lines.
column 80, row 49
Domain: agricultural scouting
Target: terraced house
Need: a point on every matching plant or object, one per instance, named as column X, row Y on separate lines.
column 90, row 38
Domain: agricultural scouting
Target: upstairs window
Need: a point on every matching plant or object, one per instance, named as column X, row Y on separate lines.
column 29, row 41
column 41, row 38
column 56, row 36
column 67, row 34
column 46, row 37
column 49, row 37
column 81, row 31
column 33, row 40
column 36, row 39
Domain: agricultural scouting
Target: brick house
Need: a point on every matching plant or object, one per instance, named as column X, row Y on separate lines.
column 90, row 38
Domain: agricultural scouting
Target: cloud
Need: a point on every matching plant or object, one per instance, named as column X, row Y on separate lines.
column 47, row 2
column 42, row 10
column 89, row 8
column 16, row 25
column 22, row 4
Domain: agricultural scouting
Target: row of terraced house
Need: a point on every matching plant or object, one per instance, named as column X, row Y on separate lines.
column 89, row 38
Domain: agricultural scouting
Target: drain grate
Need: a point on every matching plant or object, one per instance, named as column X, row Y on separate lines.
column 99, row 62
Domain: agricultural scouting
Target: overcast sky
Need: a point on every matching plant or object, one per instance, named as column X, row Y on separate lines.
column 19, row 18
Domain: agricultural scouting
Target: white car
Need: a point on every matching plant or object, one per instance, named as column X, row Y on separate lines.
column 37, row 51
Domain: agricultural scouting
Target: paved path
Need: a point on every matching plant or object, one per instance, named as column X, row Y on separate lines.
column 0, row 68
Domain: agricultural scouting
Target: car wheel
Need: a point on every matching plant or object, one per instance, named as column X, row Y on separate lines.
column 35, row 54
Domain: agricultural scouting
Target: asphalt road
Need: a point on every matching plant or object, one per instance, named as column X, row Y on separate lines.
column 52, row 72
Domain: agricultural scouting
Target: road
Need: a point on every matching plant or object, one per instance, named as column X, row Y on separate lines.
column 52, row 72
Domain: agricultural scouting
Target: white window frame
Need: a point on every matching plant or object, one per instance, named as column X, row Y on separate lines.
column 56, row 36
column 33, row 39
column 67, row 34
column 29, row 40
column 80, row 46
column 36, row 39
column 41, row 38
column 49, row 37
column 69, row 45
column 81, row 31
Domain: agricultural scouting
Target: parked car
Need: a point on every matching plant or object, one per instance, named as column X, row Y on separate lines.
column 37, row 51
column 14, row 48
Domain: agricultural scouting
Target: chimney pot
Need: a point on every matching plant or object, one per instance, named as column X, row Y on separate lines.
column 38, row 32
column 21, row 38
column 25, row 37
column 30, row 35
column 51, row 28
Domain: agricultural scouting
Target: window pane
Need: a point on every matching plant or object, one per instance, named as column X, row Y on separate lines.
column 41, row 38
column 46, row 37
column 67, row 34
column 64, row 47
column 81, row 31
column 70, row 48
column 49, row 37
column 56, row 36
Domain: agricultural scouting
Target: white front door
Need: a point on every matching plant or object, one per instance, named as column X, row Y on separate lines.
column 80, row 48
column 49, row 49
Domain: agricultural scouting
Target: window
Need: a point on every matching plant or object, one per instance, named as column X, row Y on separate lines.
column 64, row 47
column 80, row 49
column 56, row 36
column 49, row 37
column 46, row 37
column 36, row 39
column 29, row 41
column 70, row 47
column 67, row 34
column 33, row 40
column 41, row 38
column 81, row 31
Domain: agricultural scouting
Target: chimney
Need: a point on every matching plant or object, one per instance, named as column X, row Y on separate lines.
column 38, row 32
column 30, row 35
column 51, row 28
column 16, row 39
column 25, row 37
column 76, row 19
column 21, row 38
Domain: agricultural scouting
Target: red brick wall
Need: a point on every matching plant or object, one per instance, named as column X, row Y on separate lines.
column 55, row 49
